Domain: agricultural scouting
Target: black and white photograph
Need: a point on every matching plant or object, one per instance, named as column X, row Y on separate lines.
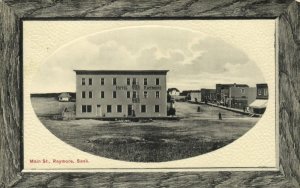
column 149, row 94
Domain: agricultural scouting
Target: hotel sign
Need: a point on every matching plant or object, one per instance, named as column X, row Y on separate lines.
column 121, row 88
column 152, row 87
column 145, row 87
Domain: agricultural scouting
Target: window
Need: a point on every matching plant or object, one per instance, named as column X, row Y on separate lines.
column 108, row 108
column 102, row 81
column 156, row 108
column 114, row 94
column 143, row 108
column 83, row 81
column 243, row 91
column 90, row 94
column 133, row 81
column 86, row 108
column 83, row 94
column 145, row 81
column 157, row 81
column 114, row 81
column 157, row 94
column 119, row 108
column 145, row 94
column 90, row 81
column 89, row 108
column 102, row 94
column 265, row 92
column 83, row 108
column 134, row 94
column 128, row 94
column 128, row 81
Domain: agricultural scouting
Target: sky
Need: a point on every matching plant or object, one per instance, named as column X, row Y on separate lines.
column 194, row 60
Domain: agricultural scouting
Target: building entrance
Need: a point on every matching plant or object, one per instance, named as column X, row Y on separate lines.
column 99, row 111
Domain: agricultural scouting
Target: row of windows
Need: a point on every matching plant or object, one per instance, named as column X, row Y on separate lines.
column 90, row 81
column 119, row 108
column 130, row 81
column 90, row 94
column 86, row 108
column 114, row 94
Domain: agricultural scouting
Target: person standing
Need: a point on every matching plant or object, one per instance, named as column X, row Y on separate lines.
column 220, row 116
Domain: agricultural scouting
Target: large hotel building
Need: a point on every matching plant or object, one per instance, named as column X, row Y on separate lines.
column 121, row 93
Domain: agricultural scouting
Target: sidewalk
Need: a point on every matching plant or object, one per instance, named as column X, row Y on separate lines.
column 232, row 109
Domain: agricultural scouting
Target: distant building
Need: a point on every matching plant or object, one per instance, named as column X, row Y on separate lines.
column 262, row 95
column 118, row 93
column 222, row 92
column 262, row 91
column 185, row 92
column 173, row 91
column 241, row 97
column 64, row 97
column 194, row 96
column 208, row 95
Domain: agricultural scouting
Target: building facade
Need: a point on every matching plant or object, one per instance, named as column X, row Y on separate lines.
column 194, row 96
column 241, row 97
column 208, row 95
column 130, row 93
column 260, row 104
column 222, row 92
column 262, row 91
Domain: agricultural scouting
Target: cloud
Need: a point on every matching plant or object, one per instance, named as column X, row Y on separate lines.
column 221, row 51
column 135, row 38
column 194, row 60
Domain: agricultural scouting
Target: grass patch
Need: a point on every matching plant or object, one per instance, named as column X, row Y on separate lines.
column 157, row 141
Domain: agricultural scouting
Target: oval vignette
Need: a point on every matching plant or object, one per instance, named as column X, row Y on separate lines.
column 206, row 100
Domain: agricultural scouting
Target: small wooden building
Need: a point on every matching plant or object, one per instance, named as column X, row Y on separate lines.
column 64, row 97
column 173, row 91
column 194, row 95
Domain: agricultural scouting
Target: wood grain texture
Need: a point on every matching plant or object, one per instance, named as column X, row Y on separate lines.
column 145, row 180
column 10, row 91
column 289, row 95
column 153, row 8
column 10, row 95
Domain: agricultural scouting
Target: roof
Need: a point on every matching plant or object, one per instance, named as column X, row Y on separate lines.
column 122, row 72
column 190, row 91
column 65, row 95
column 230, row 85
column 208, row 90
column 173, row 88
column 262, row 85
column 195, row 91
column 259, row 103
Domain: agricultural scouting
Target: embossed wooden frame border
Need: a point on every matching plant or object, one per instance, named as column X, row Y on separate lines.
column 288, row 14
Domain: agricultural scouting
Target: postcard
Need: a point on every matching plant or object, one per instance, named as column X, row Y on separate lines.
column 149, row 95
